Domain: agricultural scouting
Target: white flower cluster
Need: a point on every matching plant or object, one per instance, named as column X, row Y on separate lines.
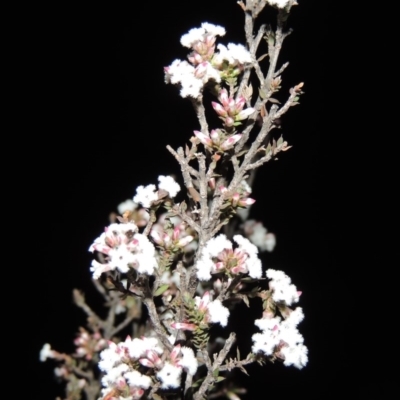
column 278, row 3
column 282, row 288
column 215, row 311
column 115, row 363
column 218, row 256
column 234, row 54
column 204, row 64
column 124, row 249
column 258, row 234
column 282, row 339
column 145, row 195
column 127, row 205
column 46, row 352
column 190, row 78
column 119, row 361
column 196, row 35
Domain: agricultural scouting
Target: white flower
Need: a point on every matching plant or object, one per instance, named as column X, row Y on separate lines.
column 198, row 34
column 296, row 356
column 283, row 289
column 145, row 195
column 264, row 342
column 109, row 357
column 114, row 374
column 145, row 257
column 193, row 36
column 204, row 266
column 137, row 348
column 136, row 379
column 218, row 244
column 282, row 338
column 278, row 3
column 191, row 79
column 169, row 184
column 235, row 54
column 170, row 376
column 188, row 360
column 218, row 313
column 46, row 352
column 239, row 53
column 127, row 205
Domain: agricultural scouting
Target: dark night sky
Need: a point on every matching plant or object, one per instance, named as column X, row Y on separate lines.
column 103, row 116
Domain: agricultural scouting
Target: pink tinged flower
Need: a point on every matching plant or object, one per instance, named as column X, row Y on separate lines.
column 241, row 268
column 202, row 303
column 235, row 199
column 246, row 202
column 219, row 266
column 195, row 58
column 184, row 326
column 201, row 70
column 176, row 233
column 146, row 362
column 203, row 138
column 136, row 393
column 230, row 142
column 229, row 121
column 214, row 136
column 211, row 183
column 167, row 240
column 224, row 98
column 175, row 353
column 219, row 109
column 240, row 102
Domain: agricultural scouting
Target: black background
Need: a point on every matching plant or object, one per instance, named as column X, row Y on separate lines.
column 100, row 116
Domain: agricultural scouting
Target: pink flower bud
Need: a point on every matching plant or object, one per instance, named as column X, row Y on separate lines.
column 246, row 202
column 214, row 136
column 219, row 109
column 223, row 97
column 203, row 138
column 229, row 121
column 146, row 362
column 201, row 70
column 240, row 102
column 230, row 142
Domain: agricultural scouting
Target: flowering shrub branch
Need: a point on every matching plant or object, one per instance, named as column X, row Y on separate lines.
column 169, row 270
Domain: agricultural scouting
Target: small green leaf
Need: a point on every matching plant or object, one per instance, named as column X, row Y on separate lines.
column 198, row 383
column 220, row 379
column 275, row 101
column 161, row 290
column 262, row 93
column 246, row 300
column 216, row 373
